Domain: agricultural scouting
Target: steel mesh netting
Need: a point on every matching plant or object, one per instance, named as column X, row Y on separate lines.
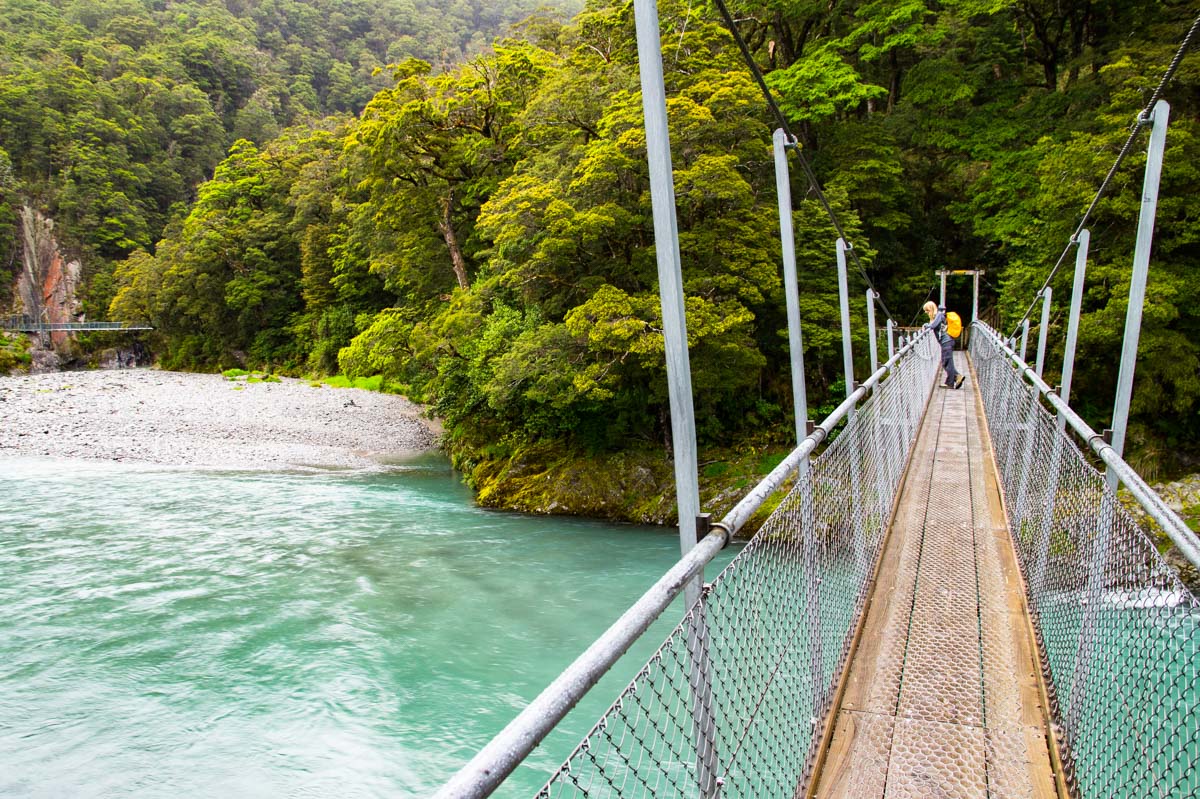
column 1119, row 633
column 733, row 703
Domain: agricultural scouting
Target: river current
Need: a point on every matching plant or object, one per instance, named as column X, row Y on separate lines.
column 169, row 632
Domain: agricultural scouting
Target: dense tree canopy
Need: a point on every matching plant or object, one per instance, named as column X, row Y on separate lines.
column 481, row 235
column 112, row 112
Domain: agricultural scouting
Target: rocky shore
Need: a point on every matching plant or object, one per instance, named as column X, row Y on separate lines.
column 206, row 421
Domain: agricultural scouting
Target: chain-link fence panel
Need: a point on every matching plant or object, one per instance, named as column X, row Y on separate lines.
column 734, row 702
column 1119, row 633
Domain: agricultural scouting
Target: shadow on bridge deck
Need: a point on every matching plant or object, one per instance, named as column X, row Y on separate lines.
column 943, row 696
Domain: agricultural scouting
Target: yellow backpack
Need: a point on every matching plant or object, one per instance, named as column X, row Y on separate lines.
column 953, row 324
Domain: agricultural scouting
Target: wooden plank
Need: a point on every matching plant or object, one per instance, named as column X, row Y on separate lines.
column 857, row 763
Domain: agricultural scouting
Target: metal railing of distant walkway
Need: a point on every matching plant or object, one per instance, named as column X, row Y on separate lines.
column 27, row 324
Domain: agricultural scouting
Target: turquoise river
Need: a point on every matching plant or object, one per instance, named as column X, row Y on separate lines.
column 168, row 632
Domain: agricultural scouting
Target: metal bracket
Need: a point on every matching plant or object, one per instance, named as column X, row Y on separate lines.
column 809, row 427
column 705, row 525
column 1107, row 436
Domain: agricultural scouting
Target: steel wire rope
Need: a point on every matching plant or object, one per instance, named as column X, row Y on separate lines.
column 1140, row 123
column 813, row 183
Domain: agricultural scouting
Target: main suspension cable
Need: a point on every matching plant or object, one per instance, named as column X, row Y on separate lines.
column 1140, row 123
column 814, row 184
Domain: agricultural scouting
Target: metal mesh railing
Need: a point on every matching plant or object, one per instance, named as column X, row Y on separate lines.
column 734, row 702
column 1119, row 633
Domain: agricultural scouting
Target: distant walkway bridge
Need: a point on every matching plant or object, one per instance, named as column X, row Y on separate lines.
column 28, row 324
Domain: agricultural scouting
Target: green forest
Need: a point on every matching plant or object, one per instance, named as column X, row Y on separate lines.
column 457, row 199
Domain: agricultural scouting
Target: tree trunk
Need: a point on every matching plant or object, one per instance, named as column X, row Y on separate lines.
column 1050, row 70
column 457, row 262
column 664, row 422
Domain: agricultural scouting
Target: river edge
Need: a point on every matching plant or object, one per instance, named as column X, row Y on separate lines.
column 208, row 421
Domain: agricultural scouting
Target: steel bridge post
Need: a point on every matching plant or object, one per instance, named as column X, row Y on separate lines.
column 1049, row 506
column 942, row 295
column 670, row 279
column 1039, row 576
column 1137, row 284
column 1082, row 241
column 1029, row 425
column 791, row 291
column 890, row 337
column 975, row 298
column 881, row 417
column 1024, row 338
column 874, row 346
column 679, row 379
column 804, row 476
column 844, row 305
column 852, row 425
column 1043, row 331
column 1010, row 415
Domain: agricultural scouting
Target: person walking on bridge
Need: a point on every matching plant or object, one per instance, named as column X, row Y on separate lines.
column 937, row 321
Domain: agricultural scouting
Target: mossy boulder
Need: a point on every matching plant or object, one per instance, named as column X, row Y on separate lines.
column 634, row 486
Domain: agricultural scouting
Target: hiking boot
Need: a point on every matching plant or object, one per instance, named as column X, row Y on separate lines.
column 958, row 383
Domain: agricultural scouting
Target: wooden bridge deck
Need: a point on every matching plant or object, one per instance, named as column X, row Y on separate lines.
column 943, row 697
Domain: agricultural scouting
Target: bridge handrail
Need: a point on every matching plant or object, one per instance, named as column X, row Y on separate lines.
column 493, row 764
column 1176, row 529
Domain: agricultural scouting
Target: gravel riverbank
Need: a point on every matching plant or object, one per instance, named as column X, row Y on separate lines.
column 206, row 421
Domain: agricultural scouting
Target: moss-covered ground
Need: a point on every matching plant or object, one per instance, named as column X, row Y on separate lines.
column 14, row 353
column 636, row 486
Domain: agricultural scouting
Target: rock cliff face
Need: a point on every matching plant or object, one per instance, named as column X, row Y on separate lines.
column 46, row 286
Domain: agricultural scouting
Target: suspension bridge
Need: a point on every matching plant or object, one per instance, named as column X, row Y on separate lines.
column 949, row 600
column 29, row 324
